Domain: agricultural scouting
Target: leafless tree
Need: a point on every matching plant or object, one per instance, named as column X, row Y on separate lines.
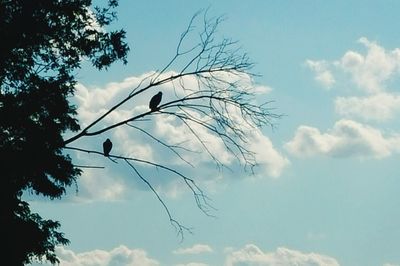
column 220, row 103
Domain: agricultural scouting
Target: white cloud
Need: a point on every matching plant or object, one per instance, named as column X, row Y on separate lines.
column 120, row 256
column 131, row 146
column 99, row 186
column 377, row 107
column 347, row 138
column 260, row 89
column 175, row 131
column 195, row 249
column 251, row 255
column 322, row 73
column 309, row 141
column 371, row 71
column 193, row 264
column 113, row 184
column 269, row 159
column 127, row 141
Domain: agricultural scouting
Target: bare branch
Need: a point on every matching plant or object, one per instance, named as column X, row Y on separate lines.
column 88, row 166
column 201, row 199
column 178, row 226
column 172, row 148
column 221, row 99
column 211, row 58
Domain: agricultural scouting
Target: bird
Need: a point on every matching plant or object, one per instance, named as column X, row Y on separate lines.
column 107, row 146
column 155, row 101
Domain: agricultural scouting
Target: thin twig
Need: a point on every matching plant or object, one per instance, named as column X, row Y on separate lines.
column 87, row 166
column 178, row 226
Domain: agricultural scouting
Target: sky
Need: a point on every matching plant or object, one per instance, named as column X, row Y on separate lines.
column 326, row 190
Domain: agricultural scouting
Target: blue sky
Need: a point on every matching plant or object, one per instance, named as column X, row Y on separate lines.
column 327, row 191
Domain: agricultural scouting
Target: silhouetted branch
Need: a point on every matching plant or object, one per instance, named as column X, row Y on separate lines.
column 88, row 166
column 211, row 57
column 172, row 148
column 221, row 101
column 178, row 226
column 201, row 199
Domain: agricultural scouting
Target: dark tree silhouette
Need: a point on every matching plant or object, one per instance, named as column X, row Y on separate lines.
column 42, row 43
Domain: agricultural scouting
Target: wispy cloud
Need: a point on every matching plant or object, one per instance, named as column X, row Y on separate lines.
column 366, row 76
column 121, row 255
column 377, row 107
column 371, row 73
column 98, row 186
column 347, row 138
column 251, row 255
column 128, row 141
column 372, row 70
column 270, row 161
column 193, row 264
column 322, row 73
column 195, row 249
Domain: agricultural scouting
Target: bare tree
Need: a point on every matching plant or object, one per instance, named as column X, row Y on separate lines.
column 220, row 103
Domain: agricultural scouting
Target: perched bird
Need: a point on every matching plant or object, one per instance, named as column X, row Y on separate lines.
column 155, row 101
column 107, row 146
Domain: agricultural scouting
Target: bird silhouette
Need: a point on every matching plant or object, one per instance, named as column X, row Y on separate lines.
column 155, row 101
column 107, row 146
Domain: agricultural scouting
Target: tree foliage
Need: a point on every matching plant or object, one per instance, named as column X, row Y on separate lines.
column 43, row 42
